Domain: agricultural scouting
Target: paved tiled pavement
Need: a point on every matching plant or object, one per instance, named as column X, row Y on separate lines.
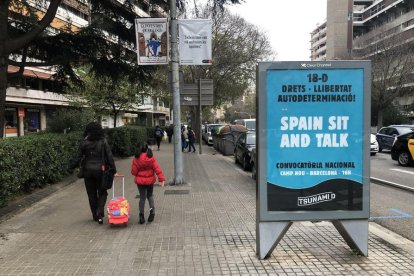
column 207, row 228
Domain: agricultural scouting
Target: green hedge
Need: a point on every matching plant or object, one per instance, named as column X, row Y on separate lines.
column 123, row 140
column 32, row 161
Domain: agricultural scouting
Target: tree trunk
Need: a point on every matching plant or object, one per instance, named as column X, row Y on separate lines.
column 3, row 62
column 380, row 118
column 115, row 116
column 3, row 88
column 8, row 45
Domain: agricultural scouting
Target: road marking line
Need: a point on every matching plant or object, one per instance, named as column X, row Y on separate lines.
column 401, row 215
column 399, row 170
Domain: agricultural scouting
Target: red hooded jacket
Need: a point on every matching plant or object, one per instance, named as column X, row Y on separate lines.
column 145, row 168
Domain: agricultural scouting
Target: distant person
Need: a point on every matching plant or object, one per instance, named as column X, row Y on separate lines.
column 170, row 132
column 158, row 133
column 184, row 138
column 89, row 156
column 145, row 168
column 191, row 140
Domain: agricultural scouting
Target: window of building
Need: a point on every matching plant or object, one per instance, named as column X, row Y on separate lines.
column 11, row 122
column 408, row 23
column 11, row 117
column 32, row 120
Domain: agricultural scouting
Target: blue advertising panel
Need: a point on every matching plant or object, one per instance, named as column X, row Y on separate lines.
column 313, row 123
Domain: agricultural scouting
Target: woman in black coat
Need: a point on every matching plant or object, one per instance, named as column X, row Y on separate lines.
column 91, row 151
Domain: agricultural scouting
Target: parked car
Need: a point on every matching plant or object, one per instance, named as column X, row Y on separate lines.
column 208, row 130
column 374, row 145
column 250, row 124
column 243, row 149
column 386, row 135
column 403, row 149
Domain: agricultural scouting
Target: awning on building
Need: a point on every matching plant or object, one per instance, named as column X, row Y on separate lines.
column 31, row 73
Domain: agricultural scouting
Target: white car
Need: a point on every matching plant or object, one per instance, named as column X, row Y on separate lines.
column 374, row 145
column 207, row 137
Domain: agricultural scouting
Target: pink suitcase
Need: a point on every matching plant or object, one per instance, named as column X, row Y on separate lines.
column 118, row 207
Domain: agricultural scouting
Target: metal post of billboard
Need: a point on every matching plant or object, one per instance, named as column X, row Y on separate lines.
column 178, row 158
column 200, row 116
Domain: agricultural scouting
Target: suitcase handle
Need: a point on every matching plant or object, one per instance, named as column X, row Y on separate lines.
column 120, row 175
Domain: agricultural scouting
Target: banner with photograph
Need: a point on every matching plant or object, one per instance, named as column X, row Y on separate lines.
column 152, row 41
column 195, row 41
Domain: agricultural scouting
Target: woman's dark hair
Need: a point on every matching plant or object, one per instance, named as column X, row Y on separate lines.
column 94, row 131
column 143, row 148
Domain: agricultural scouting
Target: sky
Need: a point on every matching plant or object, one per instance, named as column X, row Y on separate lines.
column 288, row 23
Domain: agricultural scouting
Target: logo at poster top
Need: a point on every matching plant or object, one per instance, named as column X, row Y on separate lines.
column 315, row 199
column 315, row 65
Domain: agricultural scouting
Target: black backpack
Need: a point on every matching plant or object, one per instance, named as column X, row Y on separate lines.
column 158, row 133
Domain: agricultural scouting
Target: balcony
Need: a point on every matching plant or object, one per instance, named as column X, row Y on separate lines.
column 363, row 2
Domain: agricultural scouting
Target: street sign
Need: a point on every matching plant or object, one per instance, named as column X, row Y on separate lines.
column 193, row 100
column 190, row 94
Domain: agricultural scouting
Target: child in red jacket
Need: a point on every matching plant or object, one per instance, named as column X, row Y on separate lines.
column 145, row 167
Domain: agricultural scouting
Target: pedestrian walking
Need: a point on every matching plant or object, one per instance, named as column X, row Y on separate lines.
column 89, row 158
column 145, row 167
column 184, row 138
column 191, row 140
column 170, row 132
column 158, row 133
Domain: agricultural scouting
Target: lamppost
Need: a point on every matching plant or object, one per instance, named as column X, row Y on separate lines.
column 242, row 112
column 178, row 159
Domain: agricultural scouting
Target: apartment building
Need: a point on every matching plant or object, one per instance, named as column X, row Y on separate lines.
column 32, row 98
column 318, row 42
column 353, row 28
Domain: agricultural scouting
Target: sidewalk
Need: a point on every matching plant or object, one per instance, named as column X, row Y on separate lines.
column 205, row 227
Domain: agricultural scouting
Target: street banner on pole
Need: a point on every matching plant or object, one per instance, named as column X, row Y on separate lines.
column 152, row 41
column 195, row 42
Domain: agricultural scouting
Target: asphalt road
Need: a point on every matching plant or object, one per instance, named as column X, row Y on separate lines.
column 391, row 207
column 383, row 167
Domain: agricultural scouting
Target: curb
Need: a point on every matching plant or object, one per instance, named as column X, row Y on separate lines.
column 391, row 237
column 392, row 184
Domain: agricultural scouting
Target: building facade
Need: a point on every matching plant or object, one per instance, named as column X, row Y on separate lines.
column 352, row 26
column 33, row 97
column 354, row 29
column 318, row 42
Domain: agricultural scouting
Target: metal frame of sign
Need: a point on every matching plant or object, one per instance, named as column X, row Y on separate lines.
column 313, row 142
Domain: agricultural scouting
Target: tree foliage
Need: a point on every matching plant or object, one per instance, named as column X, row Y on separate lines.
column 241, row 109
column 392, row 62
column 23, row 35
column 237, row 48
column 69, row 120
column 103, row 94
